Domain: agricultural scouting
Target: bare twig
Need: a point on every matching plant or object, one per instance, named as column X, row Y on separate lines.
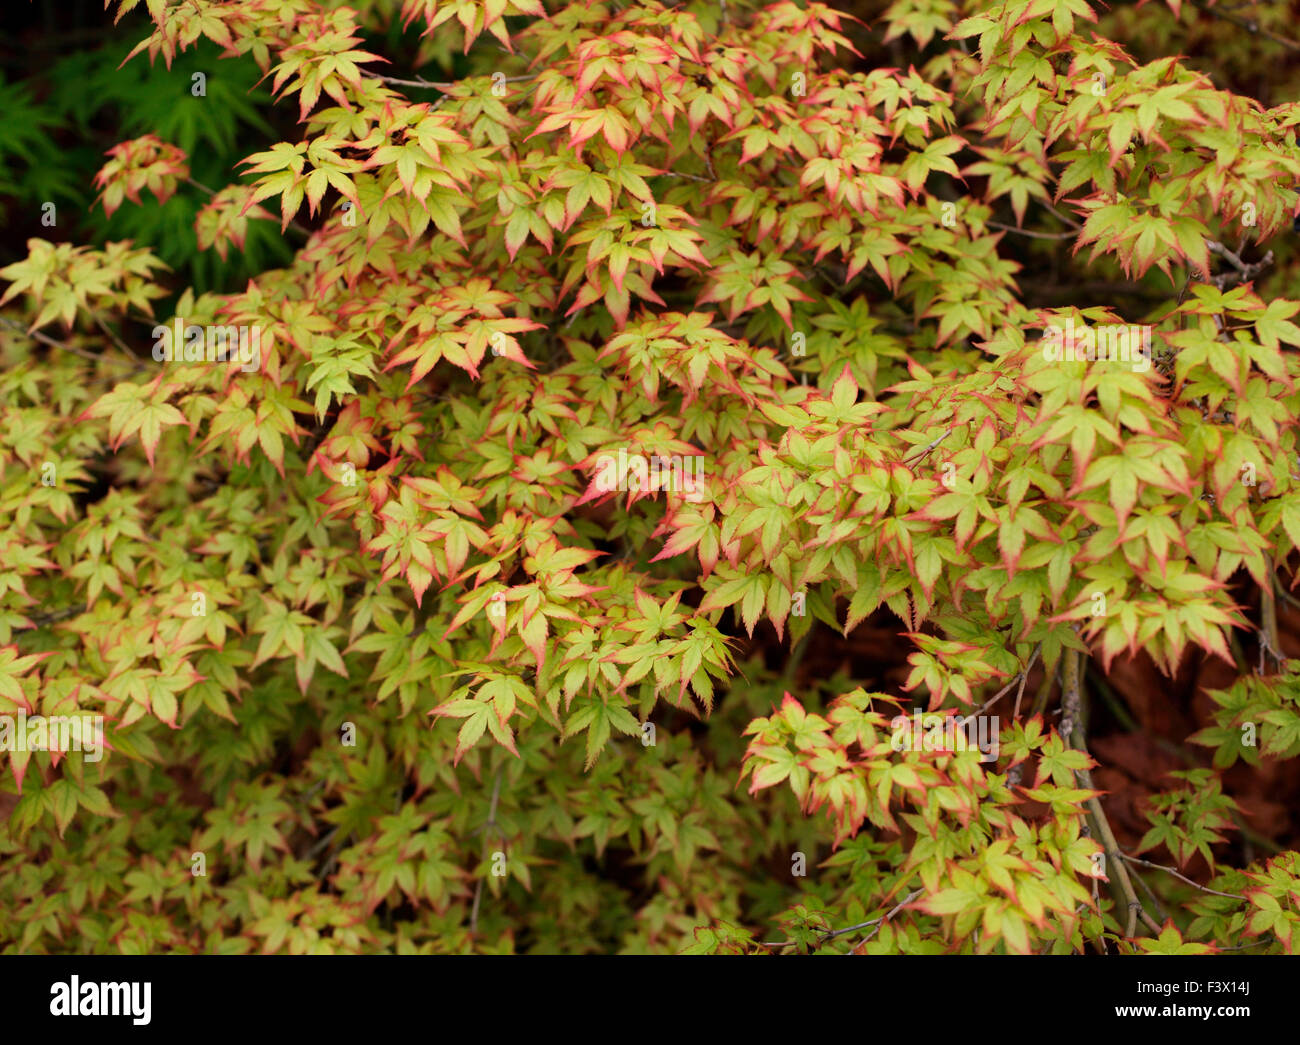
column 41, row 620
column 833, row 933
column 325, row 840
column 1135, row 908
column 488, row 825
column 111, row 333
column 1071, row 694
column 1245, row 271
column 1287, row 595
column 896, row 908
column 1031, row 233
column 1024, row 677
column 1268, row 633
column 925, row 450
column 1021, row 677
column 1063, row 217
column 1072, row 729
column 797, row 655
column 1253, row 943
column 1155, row 900
column 1181, row 877
column 1215, row 247
column 63, row 346
column 324, row 872
column 682, row 174
column 1245, row 23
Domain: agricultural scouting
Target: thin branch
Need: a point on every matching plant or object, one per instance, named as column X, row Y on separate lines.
column 1024, row 677
column 1031, row 233
column 1215, row 247
column 1179, row 876
column 1063, row 217
column 490, row 823
column 897, row 907
column 63, row 346
column 1245, row 271
column 833, row 933
column 111, row 333
column 1245, row 23
column 41, row 620
column 1268, row 639
column 797, row 654
column 1020, row 678
column 1155, row 900
column 925, row 450
column 1253, row 943
column 442, row 85
column 324, row 872
column 1072, row 728
column 1071, row 694
column 998, row 695
column 1287, row 595
column 325, row 840
column 1044, row 692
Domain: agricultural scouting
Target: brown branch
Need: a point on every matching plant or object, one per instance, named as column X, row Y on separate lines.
column 1179, row 876
column 1250, row 26
column 854, row 928
column 1031, row 233
column 1287, row 595
column 1268, row 633
column 63, row 346
column 897, row 907
column 1071, row 694
column 489, row 824
column 1021, row 677
column 925, row 450
column 1072, row 728
column 1155, row 900
column 112, row 334
column 1063, row 217
column 1215, row 247
column 1244, row 271
column 320, row 845
column 1024, row 677
column 41, row 620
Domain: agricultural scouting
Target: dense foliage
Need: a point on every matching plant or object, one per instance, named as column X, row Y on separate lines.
column 652, row 402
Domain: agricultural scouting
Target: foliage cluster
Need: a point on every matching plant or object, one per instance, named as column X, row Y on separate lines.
column 386, row 665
